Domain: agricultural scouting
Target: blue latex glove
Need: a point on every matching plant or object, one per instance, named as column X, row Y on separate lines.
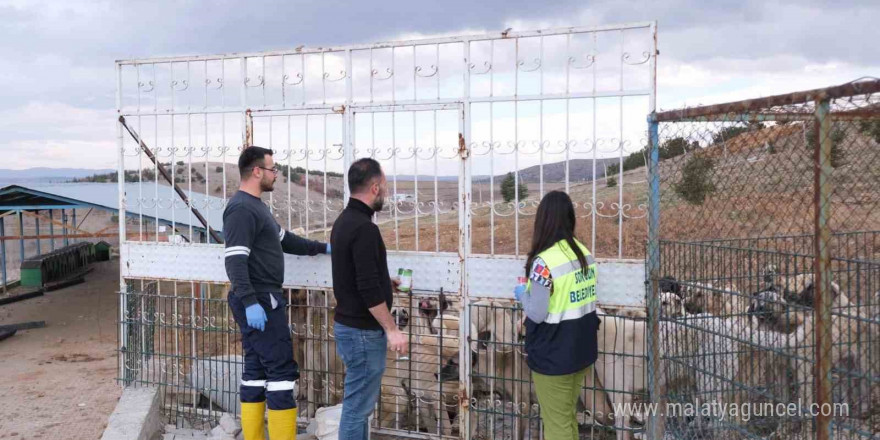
column 256, row 316
column 328, row 249
column 518, row 292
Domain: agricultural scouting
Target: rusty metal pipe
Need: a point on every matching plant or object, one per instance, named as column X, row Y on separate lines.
column 761, row 104
column 214, row 234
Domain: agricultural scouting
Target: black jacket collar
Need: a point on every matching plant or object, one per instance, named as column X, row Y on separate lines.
column 360, row 206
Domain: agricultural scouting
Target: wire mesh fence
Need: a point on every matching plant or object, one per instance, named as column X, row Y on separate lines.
column 504, row 403
column 420, row 390
column 765, row 274
column 181, row 336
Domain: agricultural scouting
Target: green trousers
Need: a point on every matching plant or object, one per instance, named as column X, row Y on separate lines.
column 558, row 396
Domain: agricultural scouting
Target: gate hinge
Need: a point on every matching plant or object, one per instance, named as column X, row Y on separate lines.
column 338, row 109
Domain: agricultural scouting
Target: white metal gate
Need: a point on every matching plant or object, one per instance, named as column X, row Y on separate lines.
column 449, row 119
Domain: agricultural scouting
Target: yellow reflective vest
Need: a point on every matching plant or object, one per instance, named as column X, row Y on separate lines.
column 566, row 342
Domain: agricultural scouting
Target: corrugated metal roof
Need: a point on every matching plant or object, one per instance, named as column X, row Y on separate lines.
column 170, row 208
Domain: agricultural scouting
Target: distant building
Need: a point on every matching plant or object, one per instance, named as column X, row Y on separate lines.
column 401, row 197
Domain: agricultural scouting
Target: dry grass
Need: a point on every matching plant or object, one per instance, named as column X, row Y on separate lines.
column 507, row 235
column 749, row 142
column 764, row 192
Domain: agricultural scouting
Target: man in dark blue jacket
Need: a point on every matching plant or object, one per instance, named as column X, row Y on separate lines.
column 254, row 257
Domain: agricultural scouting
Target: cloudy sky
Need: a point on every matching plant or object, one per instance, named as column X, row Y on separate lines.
column 58, row 94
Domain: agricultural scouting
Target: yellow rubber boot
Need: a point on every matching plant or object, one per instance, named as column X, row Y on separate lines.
column 252, row 420
column 282, row 424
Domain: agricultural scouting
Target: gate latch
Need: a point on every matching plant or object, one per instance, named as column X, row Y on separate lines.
column 462, row 147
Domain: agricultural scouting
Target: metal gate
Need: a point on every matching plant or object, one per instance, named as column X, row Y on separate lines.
column 471, row 132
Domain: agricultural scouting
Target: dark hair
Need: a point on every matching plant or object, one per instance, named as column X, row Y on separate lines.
column 250, row 158
column 361, row 173
column 554, row 221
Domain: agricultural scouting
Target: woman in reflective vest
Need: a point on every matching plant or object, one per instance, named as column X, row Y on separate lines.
column 559, row 300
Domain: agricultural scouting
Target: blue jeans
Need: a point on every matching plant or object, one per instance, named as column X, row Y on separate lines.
column 363, row 353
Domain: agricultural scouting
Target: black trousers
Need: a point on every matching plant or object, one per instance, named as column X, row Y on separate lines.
column 269, row 369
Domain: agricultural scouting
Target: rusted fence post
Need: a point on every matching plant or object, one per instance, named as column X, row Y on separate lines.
column 822, row 263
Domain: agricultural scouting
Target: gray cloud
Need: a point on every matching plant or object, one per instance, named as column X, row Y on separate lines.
column 58, row 56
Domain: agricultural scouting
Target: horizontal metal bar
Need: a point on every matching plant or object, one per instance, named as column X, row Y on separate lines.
column 780, row 117
column 523, row 258
column 758, row 251
column 298, row 111
column 421, row 106
column 131, row 235
column 178, row 113
column 293, row 110
column 40, row 207
column 55, row 222
column 758, row 104
column 323, row 108
column 855, row 316
column 390, row 44
column 199, row 262
column 773, row 238
column 45, row 237
column 179, row 224
column 783, row 350
column 405, row 434
column 562, row 96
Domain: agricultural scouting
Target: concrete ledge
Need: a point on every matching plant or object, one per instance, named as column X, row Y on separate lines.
column 137, row 416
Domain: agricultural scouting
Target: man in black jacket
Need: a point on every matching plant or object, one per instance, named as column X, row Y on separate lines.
column 363, row 288
column 254, row 257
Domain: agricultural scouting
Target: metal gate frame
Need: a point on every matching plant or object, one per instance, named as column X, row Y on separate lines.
column 203, row 262
column 436, row 260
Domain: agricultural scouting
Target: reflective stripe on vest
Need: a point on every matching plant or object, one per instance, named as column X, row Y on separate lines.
column 570, row 266
column 580, row 312
column 574, row 291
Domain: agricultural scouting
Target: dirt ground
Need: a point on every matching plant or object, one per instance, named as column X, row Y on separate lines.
column 59, row 381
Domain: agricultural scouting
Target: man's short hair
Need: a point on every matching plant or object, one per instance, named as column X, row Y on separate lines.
column 250, row 158
column 362, row 173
